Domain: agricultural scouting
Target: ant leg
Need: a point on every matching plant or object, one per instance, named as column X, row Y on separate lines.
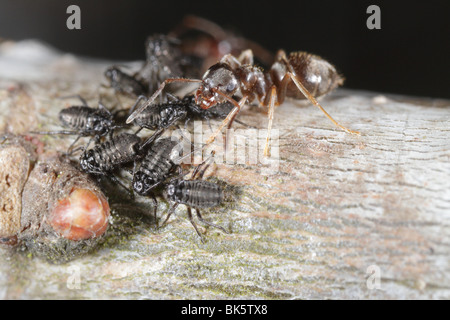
column 191, row 22
column 229, row 118
column 246, row 57
column 193, row 224
column 200, row 218
column 153, row 97
column 273, row 97
column 172, row 210
column 309, row 96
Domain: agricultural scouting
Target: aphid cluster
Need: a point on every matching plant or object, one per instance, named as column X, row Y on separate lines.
column 222, row 88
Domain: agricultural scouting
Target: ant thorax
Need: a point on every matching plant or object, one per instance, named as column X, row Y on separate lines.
column 254, row 83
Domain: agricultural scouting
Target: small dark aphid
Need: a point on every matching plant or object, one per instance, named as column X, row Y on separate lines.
column 164, row 60
column 164, row 115
column 156, row 166
column 113, row 153
column 197, row 194
column 124, row 83
column 85, row 121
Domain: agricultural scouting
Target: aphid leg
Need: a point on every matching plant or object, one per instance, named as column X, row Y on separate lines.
column 197, row 173
column 137, row 102
column 152, row 138
column 155, row 205
column 75, row 150
column 134, row 114
column 310, row 97
column 230, row 117
column 200, row 218
column 75, row 96
column 171, row 210
column 55, row 132
column 273, row 97
column 243, row 124
column 193, row 223
column 116, row 180
column 183, row 136
column 69, row 150
column 172, row 97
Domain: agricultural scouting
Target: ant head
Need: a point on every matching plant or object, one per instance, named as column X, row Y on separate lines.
column 219, row 78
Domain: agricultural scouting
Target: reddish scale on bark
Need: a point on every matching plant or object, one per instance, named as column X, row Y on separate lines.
column 82, row 215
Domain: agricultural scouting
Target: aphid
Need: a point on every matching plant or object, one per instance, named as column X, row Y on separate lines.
column 124, row 83
column 156, row 167
column 159, row 161
column 299, row 75
column 195, row 194
column 164, row 60
column 110, row 155
column 164, row 115
column 85, row 121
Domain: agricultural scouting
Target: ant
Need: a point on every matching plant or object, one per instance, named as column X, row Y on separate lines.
column 210, row 42
column 298, row 75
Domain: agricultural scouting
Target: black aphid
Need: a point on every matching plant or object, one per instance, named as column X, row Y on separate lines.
column 195, row 194
column 110, row 155
column 84, row 121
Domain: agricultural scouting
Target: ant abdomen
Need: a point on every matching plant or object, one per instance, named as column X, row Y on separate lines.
column 317, row 75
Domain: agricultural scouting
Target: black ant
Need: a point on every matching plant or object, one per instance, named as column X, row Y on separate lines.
column 209, row 42
column 298, row 75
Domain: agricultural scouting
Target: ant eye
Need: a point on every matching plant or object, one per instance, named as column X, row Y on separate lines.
column 231, row 86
